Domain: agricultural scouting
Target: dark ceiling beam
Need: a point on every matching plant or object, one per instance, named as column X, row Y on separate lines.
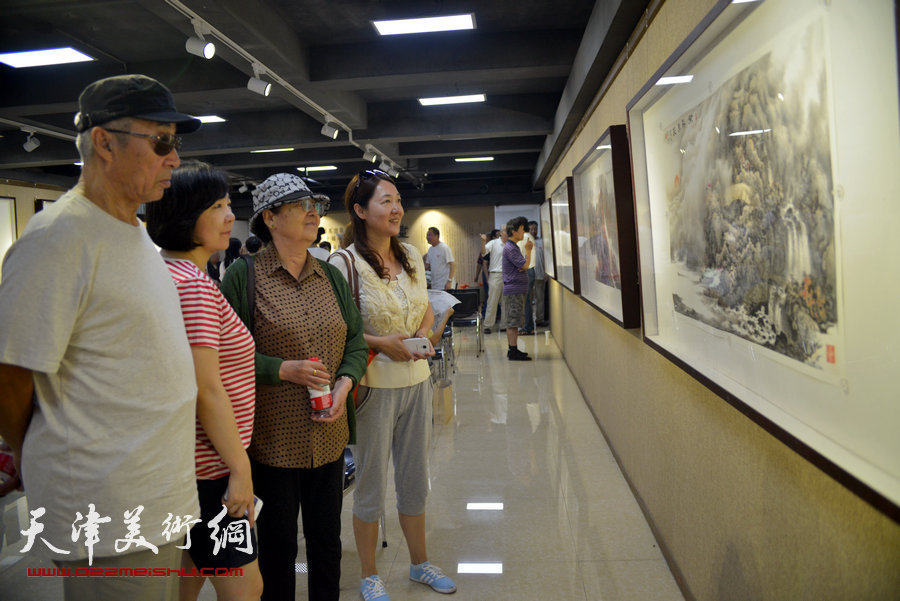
column 457, row 56
column 509, row 116
column 428, row 148
column 260, row 29
column 607, row 32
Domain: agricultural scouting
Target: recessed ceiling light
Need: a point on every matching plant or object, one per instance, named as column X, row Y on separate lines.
column 273, row 150
column 604, row 147
column 40, row 58
column 451, row 99
column 667, row 81
column 473, row 159
column 318, row 168
column 426, row 25
column 210, row 119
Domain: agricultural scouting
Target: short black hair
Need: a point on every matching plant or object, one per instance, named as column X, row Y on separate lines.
column 171, row 220
column 435, row 231
column 514, row 224
column 494, row 234
column 253, row 244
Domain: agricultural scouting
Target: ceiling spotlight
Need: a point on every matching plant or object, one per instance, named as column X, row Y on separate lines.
column 329, row 130
column 31, row 143
column 200, row 47
column 370, row 156
column 255, row 84
column 243, row 188
column 385, row 166
column 393, row 172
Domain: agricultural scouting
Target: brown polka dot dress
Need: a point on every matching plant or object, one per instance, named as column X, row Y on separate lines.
column 295, row 319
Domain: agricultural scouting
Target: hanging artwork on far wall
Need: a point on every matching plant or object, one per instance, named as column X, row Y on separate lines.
column 547, row 239
column 604, row 211
column 563, row 243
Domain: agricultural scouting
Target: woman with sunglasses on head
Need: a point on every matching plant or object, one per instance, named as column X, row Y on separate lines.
column 394, row 397
column 192, row 221
column 308, row 333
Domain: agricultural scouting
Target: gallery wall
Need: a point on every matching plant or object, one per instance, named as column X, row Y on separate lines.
column 738, row 513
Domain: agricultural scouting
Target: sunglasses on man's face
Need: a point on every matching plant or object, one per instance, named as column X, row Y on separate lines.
column 162, row 144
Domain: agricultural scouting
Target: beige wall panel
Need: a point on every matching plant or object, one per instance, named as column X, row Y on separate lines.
column 741, row 515
column 459, row 226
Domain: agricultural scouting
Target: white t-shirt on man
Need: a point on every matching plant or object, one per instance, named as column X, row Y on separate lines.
column 87, row 304
column 439, row 258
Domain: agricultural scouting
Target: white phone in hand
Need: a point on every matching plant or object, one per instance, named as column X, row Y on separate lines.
column 417, row 345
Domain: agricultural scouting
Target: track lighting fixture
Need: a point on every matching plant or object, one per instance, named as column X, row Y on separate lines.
column 255, row 84
column 31, row 142
column 330, row 131
column 393, row 172
column 243, row 188
column 370, row 156
column 259, row 86
column 200, row 47
column 384, row 165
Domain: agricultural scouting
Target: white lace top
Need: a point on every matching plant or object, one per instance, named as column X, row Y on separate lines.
column 391, row 307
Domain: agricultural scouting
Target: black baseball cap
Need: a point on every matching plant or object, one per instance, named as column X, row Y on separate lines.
column 130, row 96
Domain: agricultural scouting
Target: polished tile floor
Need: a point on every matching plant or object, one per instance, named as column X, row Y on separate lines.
column 516, row 434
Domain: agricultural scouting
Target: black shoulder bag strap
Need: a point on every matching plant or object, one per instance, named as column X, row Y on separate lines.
column 251, row 290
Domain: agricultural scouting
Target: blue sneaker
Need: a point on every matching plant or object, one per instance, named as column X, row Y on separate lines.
column 432, row 576
column 372, row 589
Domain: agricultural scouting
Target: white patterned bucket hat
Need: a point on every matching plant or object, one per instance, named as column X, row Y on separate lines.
column 281, row 189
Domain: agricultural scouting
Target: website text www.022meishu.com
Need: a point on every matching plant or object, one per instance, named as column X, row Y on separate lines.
column 131, row 572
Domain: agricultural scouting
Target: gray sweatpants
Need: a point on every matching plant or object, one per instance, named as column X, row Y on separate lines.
column 392, row 421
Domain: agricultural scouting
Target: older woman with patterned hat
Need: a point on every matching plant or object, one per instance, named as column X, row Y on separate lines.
column 298, row 308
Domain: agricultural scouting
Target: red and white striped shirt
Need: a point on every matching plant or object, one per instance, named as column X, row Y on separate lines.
column 210, row 321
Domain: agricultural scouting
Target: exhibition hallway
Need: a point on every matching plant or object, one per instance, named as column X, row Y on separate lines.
column 520, row 434
column 512, row 433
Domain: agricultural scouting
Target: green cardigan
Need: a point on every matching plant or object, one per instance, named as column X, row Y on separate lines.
column 356, row 351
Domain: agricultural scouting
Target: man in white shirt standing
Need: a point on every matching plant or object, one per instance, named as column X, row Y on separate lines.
column 493, row 248
column 97, row 387
column 439, row 259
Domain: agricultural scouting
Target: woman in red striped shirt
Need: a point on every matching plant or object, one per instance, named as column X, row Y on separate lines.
column 192, row 221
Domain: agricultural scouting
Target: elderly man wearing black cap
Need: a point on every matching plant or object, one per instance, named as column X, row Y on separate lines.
column 97, row 391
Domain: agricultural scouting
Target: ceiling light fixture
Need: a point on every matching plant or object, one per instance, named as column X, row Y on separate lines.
column 271, row 150
column 370, row 156
column 473, row 159
column 667, row 81
column 318, row 168
column 255, row 84
column 425, row 25
column 210, row 119
column 243, row 188
column 329, row 130
column 604, row 147
column 31, row 142
column 41, row 58
column 452, row 99
column 198, row 46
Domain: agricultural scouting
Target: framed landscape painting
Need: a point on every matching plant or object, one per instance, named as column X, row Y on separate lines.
column 765, row 154
column 604, row 211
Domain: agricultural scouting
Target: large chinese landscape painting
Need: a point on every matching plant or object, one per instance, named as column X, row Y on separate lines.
column 751, row 209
